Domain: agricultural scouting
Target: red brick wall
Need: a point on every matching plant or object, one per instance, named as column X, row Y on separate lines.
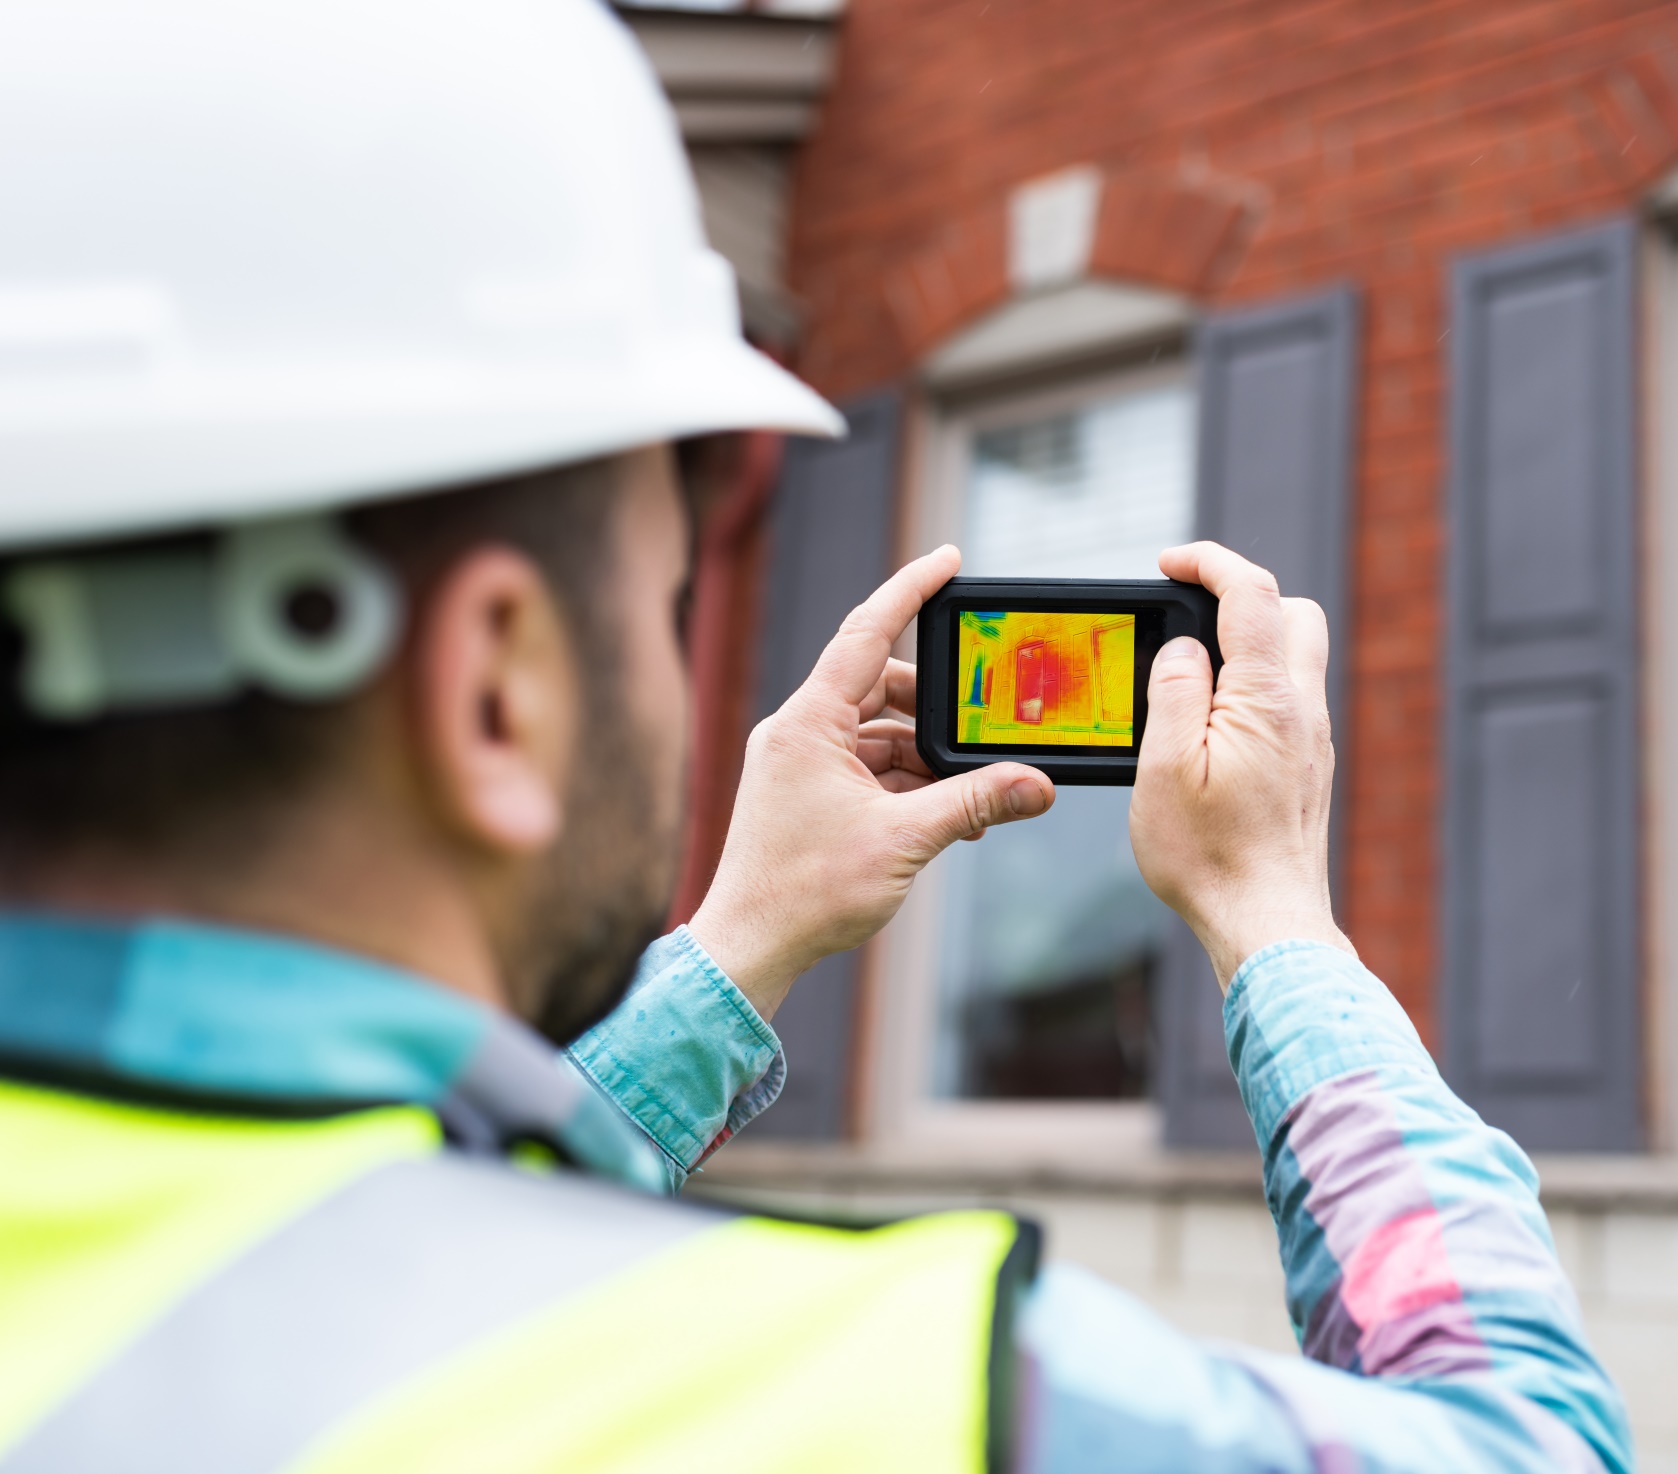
column 1251, row 148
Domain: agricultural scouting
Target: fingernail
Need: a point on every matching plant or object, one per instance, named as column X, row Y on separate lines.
column 1025, row 798
column 1182, row 648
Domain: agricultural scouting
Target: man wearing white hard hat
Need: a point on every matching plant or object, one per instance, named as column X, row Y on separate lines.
column 343, row 348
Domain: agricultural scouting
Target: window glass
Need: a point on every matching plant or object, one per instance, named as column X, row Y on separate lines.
column 1048, row 935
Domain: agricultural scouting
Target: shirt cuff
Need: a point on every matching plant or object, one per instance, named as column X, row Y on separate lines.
column 685, row 1055
column 1299, row 1014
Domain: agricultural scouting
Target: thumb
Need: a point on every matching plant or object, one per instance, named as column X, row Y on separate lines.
column 1179, row 707
column 952, row 809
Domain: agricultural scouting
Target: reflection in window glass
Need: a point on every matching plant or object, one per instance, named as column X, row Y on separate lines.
column 1049, row 938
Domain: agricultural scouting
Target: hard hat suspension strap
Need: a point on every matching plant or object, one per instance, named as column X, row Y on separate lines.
column 290, row 607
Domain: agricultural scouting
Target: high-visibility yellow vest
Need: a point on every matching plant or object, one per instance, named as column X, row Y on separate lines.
column 185, row 1292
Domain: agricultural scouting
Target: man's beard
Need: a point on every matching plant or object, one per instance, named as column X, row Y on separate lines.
column 609, row 883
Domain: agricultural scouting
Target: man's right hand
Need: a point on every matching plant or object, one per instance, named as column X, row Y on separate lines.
column 837, row 812
column 1229, row 820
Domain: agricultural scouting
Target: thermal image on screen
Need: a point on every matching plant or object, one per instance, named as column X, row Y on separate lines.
column 1047, row 680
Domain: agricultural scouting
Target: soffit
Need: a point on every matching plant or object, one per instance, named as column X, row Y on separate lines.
column 1065, row 323
column 739, row 77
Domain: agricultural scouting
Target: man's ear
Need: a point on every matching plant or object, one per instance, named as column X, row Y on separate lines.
column 498, row 702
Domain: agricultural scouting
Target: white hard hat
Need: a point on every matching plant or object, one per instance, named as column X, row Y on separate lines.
column 264, row 257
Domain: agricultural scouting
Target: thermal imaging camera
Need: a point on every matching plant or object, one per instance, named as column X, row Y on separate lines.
column 1051, row 672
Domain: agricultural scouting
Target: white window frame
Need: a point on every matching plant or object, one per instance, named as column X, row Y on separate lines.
column 900, row 1117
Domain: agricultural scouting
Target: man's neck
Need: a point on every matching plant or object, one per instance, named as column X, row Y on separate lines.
column 331, row 882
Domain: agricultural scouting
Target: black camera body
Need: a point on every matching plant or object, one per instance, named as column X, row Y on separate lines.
column 1051, row 672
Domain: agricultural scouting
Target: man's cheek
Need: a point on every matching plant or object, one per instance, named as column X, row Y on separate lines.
column 662, row 712
column 675, row 749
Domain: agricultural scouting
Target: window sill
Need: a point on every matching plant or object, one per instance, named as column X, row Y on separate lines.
column 1600, row 1182
column 1587, row 1183
column 915, row 1167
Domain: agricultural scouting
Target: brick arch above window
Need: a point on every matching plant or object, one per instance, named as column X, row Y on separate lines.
column 1149, row 228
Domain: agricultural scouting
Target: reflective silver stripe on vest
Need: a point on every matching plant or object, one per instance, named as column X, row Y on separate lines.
column 405, row 1266
column 516, row 1088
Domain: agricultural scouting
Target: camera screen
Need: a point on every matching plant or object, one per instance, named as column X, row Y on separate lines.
column 1045, row 679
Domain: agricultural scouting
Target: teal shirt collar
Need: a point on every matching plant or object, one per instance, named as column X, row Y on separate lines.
column 248, row 1022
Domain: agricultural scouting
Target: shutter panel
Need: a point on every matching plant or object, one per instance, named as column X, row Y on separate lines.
column 1276, row 396
column 830, row 545
column 1541, row 949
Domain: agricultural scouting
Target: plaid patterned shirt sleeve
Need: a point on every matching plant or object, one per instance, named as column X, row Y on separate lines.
column 1439, row 1332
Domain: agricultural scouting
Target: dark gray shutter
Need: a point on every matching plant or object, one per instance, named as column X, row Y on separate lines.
column 830, row 546
column 1277, row 387
column 1540, row 895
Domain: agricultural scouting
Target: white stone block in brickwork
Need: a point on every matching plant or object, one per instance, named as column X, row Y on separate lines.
column 1210, row 1317
column 1231, row 1316
column 1051, row 228
column 1577, row 1239
column 1265, row 1324
column 1226, row 1244
column 1120, row 1241
column 1641, row 1353
column 1640, row 1260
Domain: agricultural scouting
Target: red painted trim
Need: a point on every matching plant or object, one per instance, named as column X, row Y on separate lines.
column 724, row 637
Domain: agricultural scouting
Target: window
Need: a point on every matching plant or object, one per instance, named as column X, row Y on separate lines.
column 1032, row 954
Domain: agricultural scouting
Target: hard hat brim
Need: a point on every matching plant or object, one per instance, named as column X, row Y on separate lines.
column 173, row 452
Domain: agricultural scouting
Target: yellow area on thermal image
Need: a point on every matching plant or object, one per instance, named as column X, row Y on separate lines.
column 1033, row 679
